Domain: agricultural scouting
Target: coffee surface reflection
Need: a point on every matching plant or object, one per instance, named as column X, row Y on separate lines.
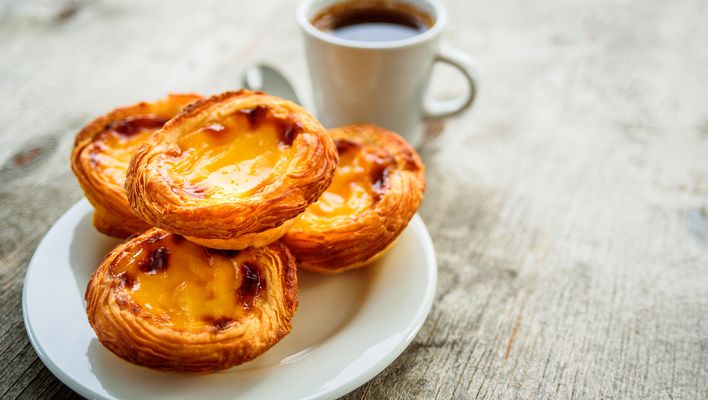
column 373, row 21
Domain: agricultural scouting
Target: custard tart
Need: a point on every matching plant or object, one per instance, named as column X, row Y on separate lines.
column 101, row 154
column 376, row 190
column 164, row 302
column 232, row 171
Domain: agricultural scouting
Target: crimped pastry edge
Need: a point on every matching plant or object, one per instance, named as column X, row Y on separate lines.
column 357, row 243
column 311, row 170
column 127, row 330
column 112, row 214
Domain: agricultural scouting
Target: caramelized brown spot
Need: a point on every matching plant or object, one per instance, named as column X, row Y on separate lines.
column 251, row 285
column 134, row 124
column 121, row 301
column 287, row 129
column 156, row 261
column 255, row 115
column 379, row 188
column 124, row 301
column 378, row 177
column 287, row 132
column 381, row 164
column 221, row 323
column 343, row 145
column 126, row 280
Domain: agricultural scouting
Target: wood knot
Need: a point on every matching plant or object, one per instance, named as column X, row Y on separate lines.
column 30, row 155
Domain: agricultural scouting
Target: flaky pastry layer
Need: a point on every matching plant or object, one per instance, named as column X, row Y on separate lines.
column 184, row 181
column 163, row 302
column 377, row 189
column 101, row 154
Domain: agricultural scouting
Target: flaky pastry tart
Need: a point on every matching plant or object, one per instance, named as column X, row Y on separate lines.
column 164, row 302
column 101, row 154
column 376, row 190
column 232, row 171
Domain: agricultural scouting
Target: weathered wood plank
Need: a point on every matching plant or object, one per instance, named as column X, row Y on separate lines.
column 569, row 209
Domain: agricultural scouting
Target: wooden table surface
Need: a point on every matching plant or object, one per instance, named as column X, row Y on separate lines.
column 569, row 208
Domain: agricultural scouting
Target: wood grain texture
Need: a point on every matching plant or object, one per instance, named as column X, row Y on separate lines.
column 569, row 208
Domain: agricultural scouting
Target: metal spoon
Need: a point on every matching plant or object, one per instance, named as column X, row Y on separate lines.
column 270, row 80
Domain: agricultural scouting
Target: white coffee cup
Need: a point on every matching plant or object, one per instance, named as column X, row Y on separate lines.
column 381, row 82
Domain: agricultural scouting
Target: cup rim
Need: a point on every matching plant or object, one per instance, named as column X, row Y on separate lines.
column 306, row 25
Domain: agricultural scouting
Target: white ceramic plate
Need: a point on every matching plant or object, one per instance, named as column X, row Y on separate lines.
column 347, row 329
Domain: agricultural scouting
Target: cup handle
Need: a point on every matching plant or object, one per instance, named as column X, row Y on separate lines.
column 444, row 108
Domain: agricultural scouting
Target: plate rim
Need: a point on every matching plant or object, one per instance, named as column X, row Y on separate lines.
column 357, row 380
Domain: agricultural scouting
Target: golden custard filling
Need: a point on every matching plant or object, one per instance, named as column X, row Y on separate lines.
column 111, row 150
column 187, row 286
column 358, row 182
column 233, row 157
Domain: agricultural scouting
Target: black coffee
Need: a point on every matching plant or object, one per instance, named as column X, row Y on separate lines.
column 373, row 21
